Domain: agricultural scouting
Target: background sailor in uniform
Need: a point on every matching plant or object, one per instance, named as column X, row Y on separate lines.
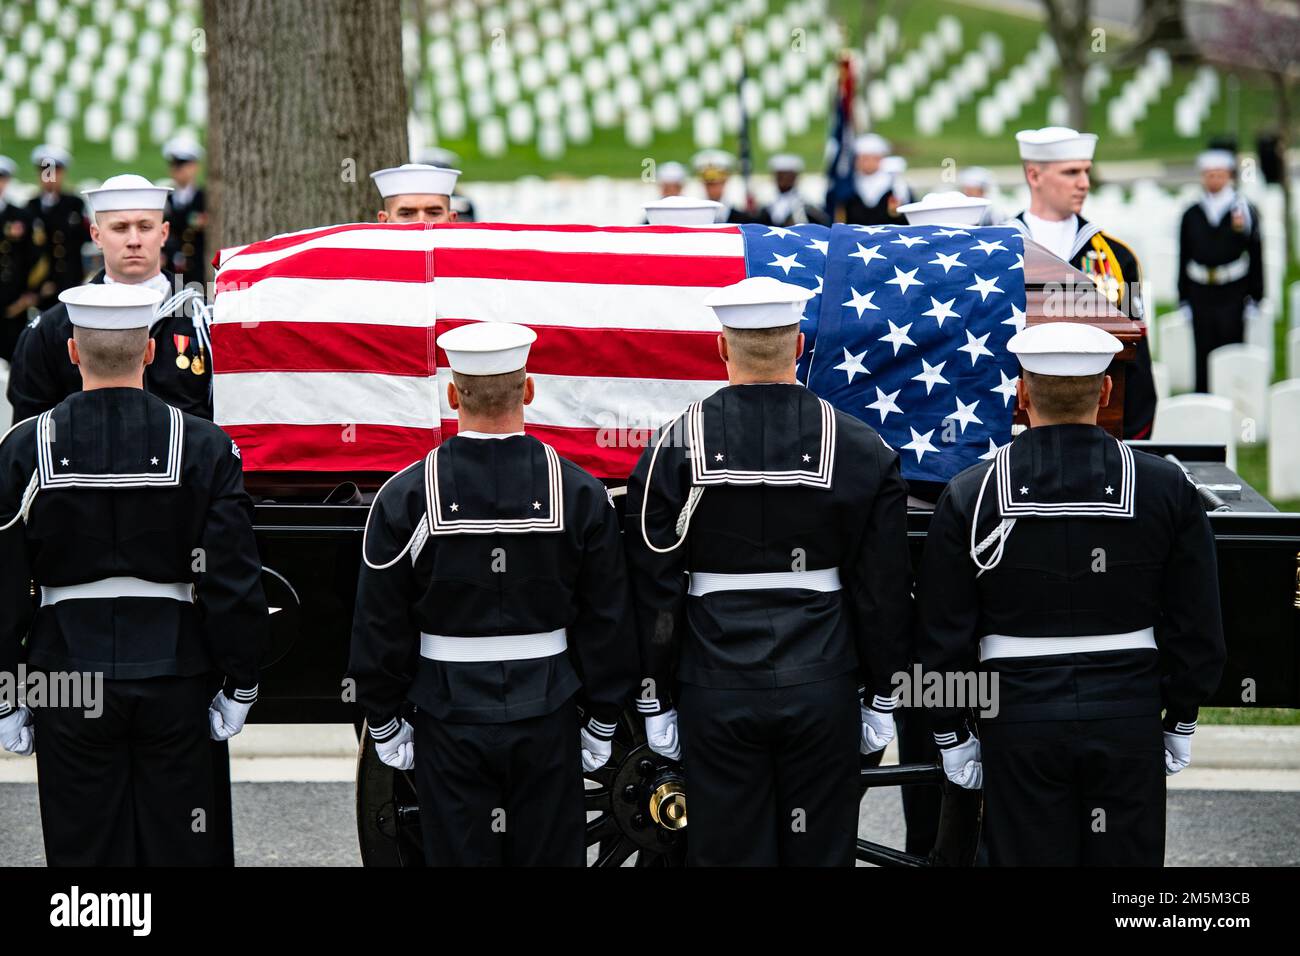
column 976, row 182
column 671, row 178
column 493, row 591
column 1082, row 575
column 414, row 192
column 131, row 519
column 59, row 227
column 462, row 206
column 766, row 537
column 1220, row 261
column 1057, row 162
column 186, row 212
column 873, row 202
column 789, row 208
column 130, row 229
column 714, row 167
column 17, row 258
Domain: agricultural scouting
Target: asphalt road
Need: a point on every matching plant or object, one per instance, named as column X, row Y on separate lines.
column 312, row 824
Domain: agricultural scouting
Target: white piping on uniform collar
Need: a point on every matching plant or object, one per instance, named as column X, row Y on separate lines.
column 472, row 434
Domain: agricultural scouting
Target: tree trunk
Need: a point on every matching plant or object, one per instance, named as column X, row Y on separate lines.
column 1067, row 22
column 306, row 99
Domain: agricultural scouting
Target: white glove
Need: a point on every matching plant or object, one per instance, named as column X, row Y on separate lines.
column 17, row 735
column 226, row 717
column 661, row 735
column 962, row 764
column 398, row 751
column 1178, row 752
column 877, row 729
column 596, row 751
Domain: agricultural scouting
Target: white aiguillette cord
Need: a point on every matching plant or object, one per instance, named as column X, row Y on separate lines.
column 692, row 500
column 1000, row 534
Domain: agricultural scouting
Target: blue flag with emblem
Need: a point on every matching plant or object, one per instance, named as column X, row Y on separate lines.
column 911, row 335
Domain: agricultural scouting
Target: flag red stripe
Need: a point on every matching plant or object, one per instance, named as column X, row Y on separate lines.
column 616, row 353
column 286, row 242
column 322, row 347
column 377, row 265
column 588, row 267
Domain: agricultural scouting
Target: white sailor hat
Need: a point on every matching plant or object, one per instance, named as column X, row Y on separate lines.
column 48, row 154
column 127, row 191
column 681, row 211
column 1064, row 348
column 713, row 164
column 437, row 156
column 976, row 176
column 945, row 209
column 411, row 179
column 671, row 172
column 114, row 306
column 871, row 144
column 182, row 149
column 1216, row 159
column 7, row 166
column 785, row 163
column 1055, row 143
column 759, row 302
column 487, row 348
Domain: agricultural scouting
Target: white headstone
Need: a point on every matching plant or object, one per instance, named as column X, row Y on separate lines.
column 1284, row 449
column 27, row 120
column 1293, row 353
column 771, row 130
column 125, row 144
column 577, row 124
column 450, row 115
column 550, row 141
column 1197, row 418
column 707, row 131
column 1160, row 375
column 638, row 128
column 491, row 136
column 1177, row 351
column 1241, row 373
column 519, row 122
column 604, row 109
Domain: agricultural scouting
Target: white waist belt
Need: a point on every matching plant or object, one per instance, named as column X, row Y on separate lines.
column 824, row 579
column 116, row 588
column 500, row 647
column 1219, row 275
column 1002, row 645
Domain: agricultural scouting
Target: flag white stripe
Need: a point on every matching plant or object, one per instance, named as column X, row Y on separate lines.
column 325, row 398
column 576, row 304
column 362, row 301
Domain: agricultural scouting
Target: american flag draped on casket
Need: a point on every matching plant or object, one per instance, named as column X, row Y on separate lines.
column 324, row 352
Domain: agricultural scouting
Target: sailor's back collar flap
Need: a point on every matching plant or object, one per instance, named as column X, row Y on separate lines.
column 509, row 486
column 1051, row 473
column 110, row 444
column 762, row 435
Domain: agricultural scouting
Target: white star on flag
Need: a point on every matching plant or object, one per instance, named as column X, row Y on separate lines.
column 947, row 262
column 975, row 346
column 932, row 375
column 870, row 230
column 982, row 286
column 904, row 280
column 852, row 364
column 786, row 262
column 1020, row 263
column 1017, row 318
column 821, row 245
column 941, row 310
column 920, row 443
column 779, row 231
column 898, row 337
column 951, row 232
column 993, row 450
column 818, row 290
column 1007, row 389
column 860, row 301
column 909, row 241
column 865, row 254
column 885, row 403
column 988, row 248
column 964, row 415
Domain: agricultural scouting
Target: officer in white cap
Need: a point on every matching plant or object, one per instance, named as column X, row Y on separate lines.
column 714, row 167
column 105, row 502
column 1082, row 574
column 17, row 259
column 1058, row 162
column 789, row 208
column 58, row 226
column 671, row 177
column 186, row 212
column 416, row 192
column 462, row 206
column 130, row 229
column 493, row 590
column 682, row 211
column 1220, row 260
column 873, row 202
column 766, row 536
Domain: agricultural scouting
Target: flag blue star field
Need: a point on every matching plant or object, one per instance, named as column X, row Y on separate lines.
column 797, row 255
column 912, row 335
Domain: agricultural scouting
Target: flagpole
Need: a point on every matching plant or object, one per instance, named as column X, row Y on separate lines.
column 745, row 149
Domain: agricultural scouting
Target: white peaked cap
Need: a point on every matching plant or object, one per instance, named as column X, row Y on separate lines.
column 437, row 156
column 416, row 179
column 671, row 173
column 7, row 166
column 760, row 302
column 681, row 211
column 975, row 176
column 182, row 149
column 785, row 163
column 945, row 209
column 487, row 348
column 1055, row 143
column 127, row 191
column 1216, row 159
column 872, row 144
column 48, row 154
column 1064, row 348
column 115, row 307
